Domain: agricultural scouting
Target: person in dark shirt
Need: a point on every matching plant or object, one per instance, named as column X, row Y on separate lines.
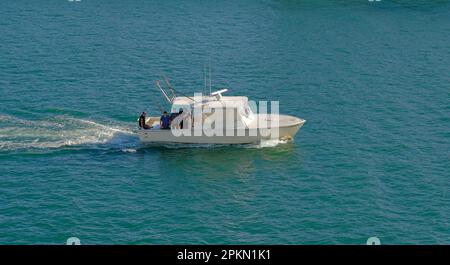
column 179, row 113
column 164, row 122
column 142, row 121
column 173, row 116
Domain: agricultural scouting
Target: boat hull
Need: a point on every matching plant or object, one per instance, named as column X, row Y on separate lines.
column 242, row 136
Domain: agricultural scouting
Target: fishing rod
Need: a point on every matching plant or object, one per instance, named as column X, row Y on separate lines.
column 159, row 105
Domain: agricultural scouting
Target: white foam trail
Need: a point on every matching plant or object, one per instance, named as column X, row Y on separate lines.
column 129, row 150
column 60, row 131
column 113, row 128
column 269, row 143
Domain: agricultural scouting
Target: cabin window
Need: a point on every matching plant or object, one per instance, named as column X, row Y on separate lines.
column 245, row 111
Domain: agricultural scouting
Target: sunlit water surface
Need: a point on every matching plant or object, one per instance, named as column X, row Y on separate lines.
column 371, row 79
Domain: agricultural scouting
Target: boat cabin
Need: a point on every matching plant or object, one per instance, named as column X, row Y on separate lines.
column 233, row 108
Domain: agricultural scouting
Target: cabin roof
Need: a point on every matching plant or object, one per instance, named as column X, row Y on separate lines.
column 212, row 102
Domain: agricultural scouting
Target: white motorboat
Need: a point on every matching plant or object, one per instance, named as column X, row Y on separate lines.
column 216, row 119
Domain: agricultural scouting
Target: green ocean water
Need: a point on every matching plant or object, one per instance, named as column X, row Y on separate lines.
column 371, row 79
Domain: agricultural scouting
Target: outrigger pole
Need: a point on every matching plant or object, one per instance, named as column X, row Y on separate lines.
column 169, row 86
column 185, row 95
column 162, row 90
column 158, row 84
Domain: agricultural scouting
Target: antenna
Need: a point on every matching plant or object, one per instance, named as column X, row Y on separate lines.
column 204, row 77
column 210, row 75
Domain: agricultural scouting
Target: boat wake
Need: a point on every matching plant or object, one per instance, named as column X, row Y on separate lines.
column 63, row 131
column 66, row 132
